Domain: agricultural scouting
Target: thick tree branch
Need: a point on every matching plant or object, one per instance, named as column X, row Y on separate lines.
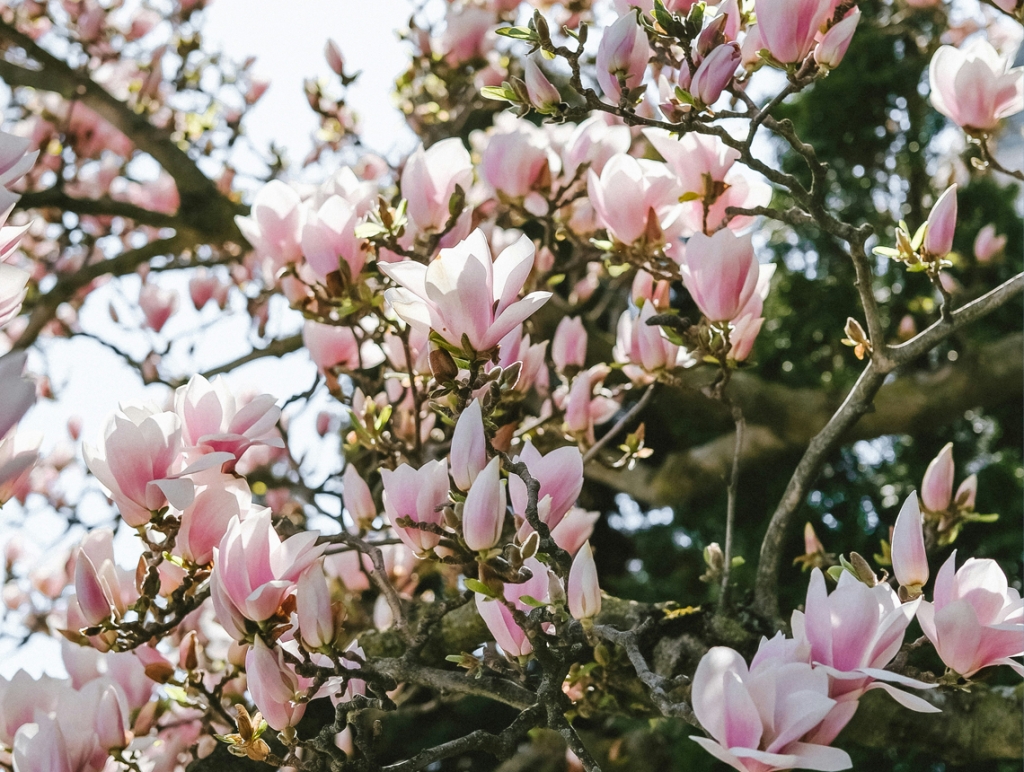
column 857, row 403
column 783, row 420
column 98, row 207
column 203, row 207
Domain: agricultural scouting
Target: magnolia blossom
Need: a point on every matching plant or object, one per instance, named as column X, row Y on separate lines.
column 429, row 180
column 987, row 244
column 834, row 43
column 583, row 408
column 573, row 530
column 569, row 344
column 937, row 485
column 715, row 73
column 418, row 494
column 254, row 571
column 358, row 499
column 516, row 159
column 212, row 418
column 909, row 557
column 13, row 280
column 583, row 590
column 218, row 498
column 560, row 474
column 499, row 620
column 938, row 238
column 644, row 347
column 762, row 719
column 519, row 348
column 19, row 393
column 483, row 513
column 275, row 226
column 789, row 28
column 853, row 634
column 329, row 240
column 273, row 685
column 974, row 86
column 157, row 304
column 721, row 274
column 705, row 168
column 542, row 93
column 139, row 463
column 975, row 619
column 634, row 198
column 622, row 56
column 464, row 293
column 331, row 345
column 19, row 451
column 469, row 446
column 313, row 608
column 101, row 586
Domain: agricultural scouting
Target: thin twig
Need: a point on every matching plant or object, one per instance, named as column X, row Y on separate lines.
column 632, row 413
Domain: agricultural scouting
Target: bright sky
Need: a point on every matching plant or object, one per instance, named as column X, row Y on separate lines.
column 288, row 39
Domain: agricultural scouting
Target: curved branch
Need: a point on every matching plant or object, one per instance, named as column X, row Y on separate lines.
column 857, row 403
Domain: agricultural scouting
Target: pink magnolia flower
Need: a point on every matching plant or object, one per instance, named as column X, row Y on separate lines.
column 203, row 287
column 834, row 43
column 469, row 446
column 275, row 226
column 219, row 498
column 332, row 53
column 853, row 634
column 463, row 293
column 138, row 463
column 583, row 408
column 594, row 141
column 516, row 347
column 313, row 608
column 622, row 56
column 975, row 620
column 643, row 347
column 975, row 86
column 328, row 237
column 569, row 345
column 429, row 180
column 573, row 530
column 101, row 586
column 544, row 97
column 909, row 558
column 583, row 590
column 21, row 698
column 273, row 685
column 15, row 158
column 213, row 420
column 759, row 719
column 721, row 273
column 937, row 485
column 517, row 159
column 418, row 494
column 938, row 238
column 358, row 499
column 40, row 747
column 633, row 198
column 254, row 571
column 19, row 452
column 987, row 244
column 742, row 336
column 483, row 513
column 715, row 73
column 789, row 27
column 560, row 474
column 157, row 304
column 19, row 392
column 331, row 345
column 499, row 620
column 466, row 33
column 703, row 165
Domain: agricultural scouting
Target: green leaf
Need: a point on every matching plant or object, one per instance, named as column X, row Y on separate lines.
column 177, row 694
column 689, row 196
column 529, row 600
column 918, row 239
column 518, row 33
column 369, row 230
column 498, row 93
column 886, row 252
column 477, row 586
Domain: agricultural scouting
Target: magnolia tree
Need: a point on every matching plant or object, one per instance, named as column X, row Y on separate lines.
column 648, row 254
